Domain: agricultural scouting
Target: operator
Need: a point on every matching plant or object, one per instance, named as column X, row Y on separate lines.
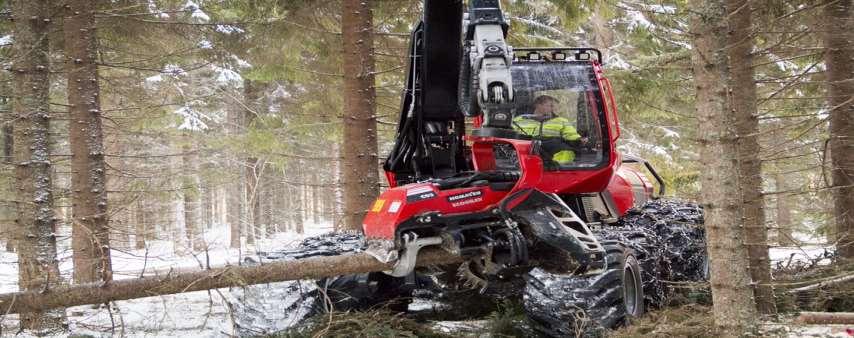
column 545, row 122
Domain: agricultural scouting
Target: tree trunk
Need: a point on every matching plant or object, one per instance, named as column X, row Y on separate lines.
column 298, row 201
column 334, row 191
column 359, row 145
column 743, row 99
column 826, row 318
column 35, row 237
column 191, row 191
column 234, row 193
column 252, row 94
column 139, row 235
column 154, row 223
column 252, row 199
column 90, row 229
column 288, row 204
column 267, row 206
column 278, row 203
column 8, row 142
column 785, row 232
column 316, row 207
column 8, row 153
column 222, row 277
column 207, row 199
column 839, row 58
column 175, row 209
column 218, row 204
column 119, row 230
column 234, row 212
column 732, row 295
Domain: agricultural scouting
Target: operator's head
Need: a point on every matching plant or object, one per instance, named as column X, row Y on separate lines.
column 545, row 106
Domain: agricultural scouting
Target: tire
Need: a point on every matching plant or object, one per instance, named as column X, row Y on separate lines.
column 267, row 308
column 586, row 305
column 649, row 253
column 678, row 228
column 364, row 291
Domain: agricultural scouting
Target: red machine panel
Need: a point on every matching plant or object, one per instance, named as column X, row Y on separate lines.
column 398, row 204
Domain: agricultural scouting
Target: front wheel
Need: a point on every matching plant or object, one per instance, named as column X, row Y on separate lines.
column 587, row 305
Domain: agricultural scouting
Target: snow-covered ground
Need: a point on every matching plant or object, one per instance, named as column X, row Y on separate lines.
column 805, row 253
column 207, row 314
column 793, row 330
column 811, row 248
column 193, row 314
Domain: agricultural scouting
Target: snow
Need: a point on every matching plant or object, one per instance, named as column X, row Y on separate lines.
column 661, row 9
column 670, row 133
column 281, row 92
column 226, row 75
column 228, row 29
column 205, row 44
column 195, row 11
column 240, row 62
column 786, row 65
column 655, row 149
column 192, row 119
column 193, row 314
column 616, row 61
column 788, row 329
column 173, row 70
column 153, row 79
column 538, row 25
column 637, row 20
column 803, row 253
column 461, row 327
column 5, row 39
column 152, row 7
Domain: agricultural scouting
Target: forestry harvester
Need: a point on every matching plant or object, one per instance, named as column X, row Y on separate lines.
column 586, row 231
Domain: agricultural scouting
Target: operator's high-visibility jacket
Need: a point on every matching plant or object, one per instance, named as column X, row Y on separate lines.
column 553, row 127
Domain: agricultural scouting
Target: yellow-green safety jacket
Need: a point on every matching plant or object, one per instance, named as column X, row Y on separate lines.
column 553, row 127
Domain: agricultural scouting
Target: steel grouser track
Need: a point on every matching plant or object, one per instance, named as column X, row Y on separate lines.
column 665, row 237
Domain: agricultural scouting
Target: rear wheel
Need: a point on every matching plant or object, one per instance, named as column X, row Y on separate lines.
column 678, row 228
column 587, row 305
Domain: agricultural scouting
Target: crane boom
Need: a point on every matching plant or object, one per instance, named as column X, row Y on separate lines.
column 451, row 57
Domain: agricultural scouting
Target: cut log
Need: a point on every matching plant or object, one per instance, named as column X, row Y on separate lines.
column 221, row 277
column 826, row 318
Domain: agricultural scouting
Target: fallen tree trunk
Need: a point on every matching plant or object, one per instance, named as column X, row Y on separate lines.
column 826, row 317
column 221, row 277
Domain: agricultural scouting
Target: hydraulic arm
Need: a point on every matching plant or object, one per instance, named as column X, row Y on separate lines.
column 448, row 45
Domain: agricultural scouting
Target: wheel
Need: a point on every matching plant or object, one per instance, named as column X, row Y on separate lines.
column 263, row 309
column 586, row 305
column 649, row 252
column 364, row 291
column 678, row 227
